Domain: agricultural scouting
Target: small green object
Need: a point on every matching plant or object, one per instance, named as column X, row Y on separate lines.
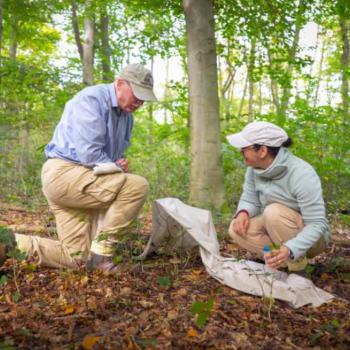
column 117, row 259
column 3, row 280
column 164, row 281
column 16, row 296
column 202, row 310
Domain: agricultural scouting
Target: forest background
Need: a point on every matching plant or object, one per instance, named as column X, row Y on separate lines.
column 217, row 65
column 51, row 50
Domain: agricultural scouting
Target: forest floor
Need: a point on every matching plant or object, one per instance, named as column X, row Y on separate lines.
column 149, row 305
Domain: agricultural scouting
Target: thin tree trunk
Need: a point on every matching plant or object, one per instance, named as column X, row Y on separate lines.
column 243, row 96
column 286, row 91
column 273, row 84
column 13, row 37
column 105, row 48
column 345, row 65
column 1, row 26
column 251, row 65
column 166, row 89
column 88, row 45
column 206, row 168
column 75, row 25
column 260, row 97
column 319, row 74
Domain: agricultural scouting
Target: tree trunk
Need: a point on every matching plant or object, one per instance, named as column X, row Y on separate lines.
column 319, row 74
column 273, row 84
column 75, row 24
column 88, row 45
column 286, row 91
column 251, row 65
column 13, row 37
column 1, row 26
column 105, row 49
column 345, row 65
column 166, row 89
column 240, row 110
column 207, row 188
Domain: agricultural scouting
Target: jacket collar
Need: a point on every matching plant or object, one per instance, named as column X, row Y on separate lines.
column 278, row 168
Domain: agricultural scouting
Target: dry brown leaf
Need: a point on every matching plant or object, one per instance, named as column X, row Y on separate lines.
column 89, row 341
column 84, row 281
column 172, row 314
column 69, row 310
column 125, row 291
column 182, row 292
column 192, row 333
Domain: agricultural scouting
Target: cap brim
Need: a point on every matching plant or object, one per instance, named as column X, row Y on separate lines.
column 238, row 141
column 142, row 93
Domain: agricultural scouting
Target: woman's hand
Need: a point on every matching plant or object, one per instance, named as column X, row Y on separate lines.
column 277, row 260
column 240, row 224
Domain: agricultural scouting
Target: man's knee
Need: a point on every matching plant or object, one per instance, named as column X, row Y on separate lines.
column 137, row 184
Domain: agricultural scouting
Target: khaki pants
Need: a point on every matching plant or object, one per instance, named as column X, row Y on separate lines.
column 277, row 224
column 76, row 196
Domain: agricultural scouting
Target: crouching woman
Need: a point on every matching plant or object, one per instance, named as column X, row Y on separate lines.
column 282, row 201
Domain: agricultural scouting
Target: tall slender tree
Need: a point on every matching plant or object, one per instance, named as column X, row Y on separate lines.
column 206, row 168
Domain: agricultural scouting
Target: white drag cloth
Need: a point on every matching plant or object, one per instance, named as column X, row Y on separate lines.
column 180, row 226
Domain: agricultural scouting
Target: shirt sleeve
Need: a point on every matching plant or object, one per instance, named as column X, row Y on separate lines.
column 308, row 193
column 89, row 131
column 249, row 200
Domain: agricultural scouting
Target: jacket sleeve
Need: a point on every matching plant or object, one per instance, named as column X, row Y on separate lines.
column 308, row 192
column 249, row 199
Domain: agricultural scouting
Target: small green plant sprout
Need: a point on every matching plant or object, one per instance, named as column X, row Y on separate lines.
column 202, row 310
column 164, row 281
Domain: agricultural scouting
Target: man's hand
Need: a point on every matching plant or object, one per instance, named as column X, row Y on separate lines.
column 240, row 223
column 277, row 260
column 123, row 163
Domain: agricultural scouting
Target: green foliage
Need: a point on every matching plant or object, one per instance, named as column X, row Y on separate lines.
column 164, row 281
column 202, row 310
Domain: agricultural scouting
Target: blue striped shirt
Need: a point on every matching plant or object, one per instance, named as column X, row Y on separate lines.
column 93, row 129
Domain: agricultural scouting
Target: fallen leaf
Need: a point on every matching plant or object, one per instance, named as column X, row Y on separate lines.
column 172, row 315
column 182, row 292
column 192, row 333
column 69, row 310
column 89, row 342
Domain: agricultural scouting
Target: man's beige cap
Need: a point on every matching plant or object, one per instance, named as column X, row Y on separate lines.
column 141, row 81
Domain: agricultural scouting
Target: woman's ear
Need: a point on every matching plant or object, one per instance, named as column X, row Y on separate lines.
column 263, row 152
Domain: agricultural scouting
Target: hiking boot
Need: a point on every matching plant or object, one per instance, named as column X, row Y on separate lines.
column 7, row 243
column 103, row 263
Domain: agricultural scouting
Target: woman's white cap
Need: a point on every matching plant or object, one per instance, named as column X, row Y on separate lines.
column 258, row 133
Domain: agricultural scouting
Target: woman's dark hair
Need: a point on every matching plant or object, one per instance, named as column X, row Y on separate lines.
column 273, row 151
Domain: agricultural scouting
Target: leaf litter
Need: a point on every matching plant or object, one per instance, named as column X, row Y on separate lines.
column 166, row 302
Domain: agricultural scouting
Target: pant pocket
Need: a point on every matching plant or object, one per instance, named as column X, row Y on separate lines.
column 104, row 188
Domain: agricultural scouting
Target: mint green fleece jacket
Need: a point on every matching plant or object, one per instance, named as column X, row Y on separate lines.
column 294, row 183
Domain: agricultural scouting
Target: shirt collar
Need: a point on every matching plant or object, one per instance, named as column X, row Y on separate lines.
column 112, row 95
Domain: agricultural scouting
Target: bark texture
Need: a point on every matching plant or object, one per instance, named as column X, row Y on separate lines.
column 88, row 46
column 206, row 168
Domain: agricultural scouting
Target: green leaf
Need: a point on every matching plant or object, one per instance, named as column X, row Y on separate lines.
column 117, row 259
column 202, row 310
column 17, row 254
column 164, row 281
column 3, row 280
column 16, row 296
column 102, row 237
